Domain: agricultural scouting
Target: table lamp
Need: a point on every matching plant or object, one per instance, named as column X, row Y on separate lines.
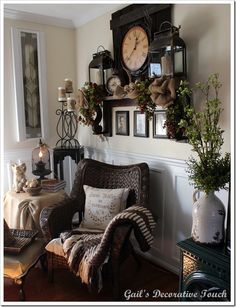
column 41, row 161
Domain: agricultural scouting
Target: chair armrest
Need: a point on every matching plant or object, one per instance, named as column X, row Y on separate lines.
column 57, row 218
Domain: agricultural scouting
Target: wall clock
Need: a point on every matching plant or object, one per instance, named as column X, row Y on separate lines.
column 134, row 49
column 125, row 24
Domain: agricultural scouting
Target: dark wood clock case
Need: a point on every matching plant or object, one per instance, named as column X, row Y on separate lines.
column 149, row 16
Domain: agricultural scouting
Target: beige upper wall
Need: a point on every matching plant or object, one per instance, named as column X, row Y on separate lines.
column 206, row 31
column 60, row 64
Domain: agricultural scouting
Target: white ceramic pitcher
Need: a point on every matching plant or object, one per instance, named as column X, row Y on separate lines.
column 208, row 219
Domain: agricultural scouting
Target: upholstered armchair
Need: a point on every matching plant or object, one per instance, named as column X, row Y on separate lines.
column 57, row 219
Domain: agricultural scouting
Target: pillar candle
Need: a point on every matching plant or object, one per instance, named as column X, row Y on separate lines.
column 70, row 104
column 68, row 86
column 61, row 94
column 166, row 65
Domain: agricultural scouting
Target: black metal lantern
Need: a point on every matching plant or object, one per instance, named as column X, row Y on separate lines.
column 101, row 67
column 167, row 53
column 41, row 161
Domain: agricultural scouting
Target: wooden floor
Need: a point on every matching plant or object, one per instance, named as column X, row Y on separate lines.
column 143, row 282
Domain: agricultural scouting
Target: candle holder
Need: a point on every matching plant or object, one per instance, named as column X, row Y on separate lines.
column 41, row 161
column 67, row 122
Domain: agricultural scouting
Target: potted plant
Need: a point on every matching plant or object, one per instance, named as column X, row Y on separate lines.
column 210, row 170
column 89, row 99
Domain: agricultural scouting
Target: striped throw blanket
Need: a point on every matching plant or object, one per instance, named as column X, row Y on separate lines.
column 86, row 253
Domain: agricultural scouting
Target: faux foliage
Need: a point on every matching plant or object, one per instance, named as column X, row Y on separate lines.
column 176, row 112
column 211, row 171
column 93, row 96
column 145, row 103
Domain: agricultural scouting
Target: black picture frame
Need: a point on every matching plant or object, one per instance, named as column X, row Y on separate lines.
column 122, row 122
column 159, row 118
column 141, row 124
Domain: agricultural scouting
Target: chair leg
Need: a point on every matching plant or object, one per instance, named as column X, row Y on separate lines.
column 50, row 267
column 136, row 258
column 20, row 284
column 43, row 262
column 116, row 282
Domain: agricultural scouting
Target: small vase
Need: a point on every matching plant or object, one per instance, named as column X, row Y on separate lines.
column 208, row 219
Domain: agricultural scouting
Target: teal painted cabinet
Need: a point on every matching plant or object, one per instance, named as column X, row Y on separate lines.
column 205, row 272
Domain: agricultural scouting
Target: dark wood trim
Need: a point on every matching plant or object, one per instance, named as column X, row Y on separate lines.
column 137, row 12
column 108, row 104
column 59, row 154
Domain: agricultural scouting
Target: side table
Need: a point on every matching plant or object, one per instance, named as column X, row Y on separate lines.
column 205, row 272
column 59, row 154
column 22, row 211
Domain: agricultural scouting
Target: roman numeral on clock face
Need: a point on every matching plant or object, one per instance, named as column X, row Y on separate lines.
column 134, row 48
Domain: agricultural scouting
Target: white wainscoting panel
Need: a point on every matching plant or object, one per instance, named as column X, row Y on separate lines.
column 157, row 203
column 182, row 211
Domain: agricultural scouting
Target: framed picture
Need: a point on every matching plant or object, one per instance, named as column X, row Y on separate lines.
column 122, row 122
column 140, row 124
column 159, row 118
column 29, row 57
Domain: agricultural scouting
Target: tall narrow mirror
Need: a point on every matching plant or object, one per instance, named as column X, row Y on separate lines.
column 30, row 83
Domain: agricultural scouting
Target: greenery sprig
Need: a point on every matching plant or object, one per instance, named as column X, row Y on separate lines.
column 92, row 97
column 145, row 103
column 176, row 112
column 211, row 171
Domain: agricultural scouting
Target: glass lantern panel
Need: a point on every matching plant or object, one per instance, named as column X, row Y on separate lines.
column 166, row 62
column 178, row 56
column 154, row 70
column 155, row 64
column 40, row 154
column 161, row 63
column 107, row 74
column 96, row 76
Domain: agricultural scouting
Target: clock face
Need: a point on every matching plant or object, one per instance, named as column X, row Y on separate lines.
column 112, row 83
column 134, row 49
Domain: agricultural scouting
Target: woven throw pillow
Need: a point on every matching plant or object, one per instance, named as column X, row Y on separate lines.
column 101, row 205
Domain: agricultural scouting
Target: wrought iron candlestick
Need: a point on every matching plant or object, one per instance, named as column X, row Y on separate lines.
column 67, row 123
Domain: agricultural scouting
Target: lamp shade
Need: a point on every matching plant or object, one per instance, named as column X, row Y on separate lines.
column 167, row 53
column 41, row 161
column 101, row 67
